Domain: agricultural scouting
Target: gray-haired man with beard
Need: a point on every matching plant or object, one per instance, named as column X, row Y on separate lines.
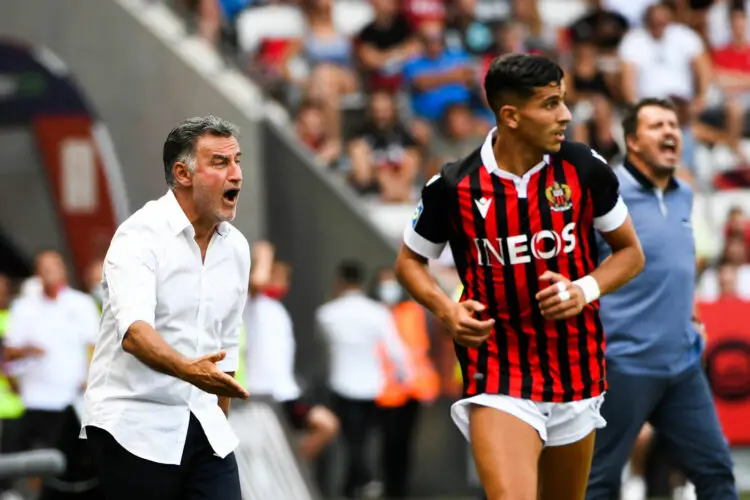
column 653, row 344
column 174, row 289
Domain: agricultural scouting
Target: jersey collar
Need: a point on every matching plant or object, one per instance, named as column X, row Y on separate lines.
column 488, row 159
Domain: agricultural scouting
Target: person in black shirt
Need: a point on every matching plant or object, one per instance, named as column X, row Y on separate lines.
column 384, row 45
column 604, row 28
column 383, row 153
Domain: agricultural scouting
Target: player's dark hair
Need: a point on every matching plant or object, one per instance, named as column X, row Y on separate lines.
column 516, row 76
column 180, row 143
column 630, row 120
column 351, row 272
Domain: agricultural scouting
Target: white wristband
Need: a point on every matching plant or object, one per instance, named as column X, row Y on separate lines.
column 589, row 287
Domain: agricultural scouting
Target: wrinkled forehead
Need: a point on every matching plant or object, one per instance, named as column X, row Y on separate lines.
column 651, row 116
column 209, row 145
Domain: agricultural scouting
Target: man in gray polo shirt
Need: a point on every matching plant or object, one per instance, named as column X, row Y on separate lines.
column 653, row 347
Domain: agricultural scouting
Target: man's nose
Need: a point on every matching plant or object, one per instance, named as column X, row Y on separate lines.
column 235, row 172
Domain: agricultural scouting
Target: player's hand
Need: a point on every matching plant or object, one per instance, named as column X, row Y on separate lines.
column 562, row 299
column 465, row 328
column 205, row 375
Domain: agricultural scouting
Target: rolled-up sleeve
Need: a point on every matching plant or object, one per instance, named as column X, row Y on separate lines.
column 130, row 277
column 232, row 324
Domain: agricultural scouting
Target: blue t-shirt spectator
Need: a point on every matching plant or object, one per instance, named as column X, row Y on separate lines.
column 430, row 103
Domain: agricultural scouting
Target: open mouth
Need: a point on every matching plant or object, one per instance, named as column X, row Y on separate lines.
column 231, row 195
column 668, row 145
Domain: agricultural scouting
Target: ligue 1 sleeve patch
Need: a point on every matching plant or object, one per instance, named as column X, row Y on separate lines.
column 417, row 214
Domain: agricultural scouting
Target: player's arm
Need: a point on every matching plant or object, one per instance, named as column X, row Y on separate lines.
column 563, row 299
column 425, row 238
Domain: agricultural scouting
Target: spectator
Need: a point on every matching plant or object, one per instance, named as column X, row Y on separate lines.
column 631, row 10
column 732, row 64
column 539, row 36
column 418, row 12
column 590, row 93
column 718, row 29
column 438, row 78
column 328, row 54
column 735, row 254
column 665, row 59
column 601, row 27
column 312, row 132
column 466, row 32
column 457, row 138
column 728, row 280
column 738, row 226
column 383, row 153
column 384, row 45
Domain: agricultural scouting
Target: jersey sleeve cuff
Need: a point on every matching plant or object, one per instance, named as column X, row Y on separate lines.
column 421, row 245
column 612, row 219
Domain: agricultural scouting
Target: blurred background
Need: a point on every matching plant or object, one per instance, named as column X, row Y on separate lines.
column 346, row 107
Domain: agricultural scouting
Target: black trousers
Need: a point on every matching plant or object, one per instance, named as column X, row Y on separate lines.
column 357, row 417
column 201, row 475
column 398, row 425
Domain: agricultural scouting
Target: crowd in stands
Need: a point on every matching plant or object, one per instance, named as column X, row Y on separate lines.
column 384, row 92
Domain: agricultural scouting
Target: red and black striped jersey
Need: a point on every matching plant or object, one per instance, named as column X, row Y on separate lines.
column 504, row 231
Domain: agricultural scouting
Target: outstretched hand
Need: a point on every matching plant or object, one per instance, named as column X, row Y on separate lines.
column 205, row 375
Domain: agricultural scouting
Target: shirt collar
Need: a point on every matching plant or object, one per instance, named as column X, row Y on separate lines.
column 177, row 219
column 488, row 159
column 644, row 181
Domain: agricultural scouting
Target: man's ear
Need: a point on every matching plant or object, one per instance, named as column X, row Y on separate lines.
column 509, row 116
column 182, row 174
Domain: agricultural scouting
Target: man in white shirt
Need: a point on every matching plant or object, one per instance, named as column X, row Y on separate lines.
column 47, row 345
column 174, row 288
column 271, row 349
column 354, row 328
column 666, row 59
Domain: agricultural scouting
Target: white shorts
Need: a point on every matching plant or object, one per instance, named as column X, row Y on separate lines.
column 558, row 424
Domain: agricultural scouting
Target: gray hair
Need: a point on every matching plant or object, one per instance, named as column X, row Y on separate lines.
column 180, row 143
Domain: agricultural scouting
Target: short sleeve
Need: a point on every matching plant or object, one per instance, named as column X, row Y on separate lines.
column 631, row 47
column 691, row 43
column 610, row 211
column 427, row 232
column 129, row 276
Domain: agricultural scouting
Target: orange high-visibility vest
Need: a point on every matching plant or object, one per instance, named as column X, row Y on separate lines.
column 424, row 382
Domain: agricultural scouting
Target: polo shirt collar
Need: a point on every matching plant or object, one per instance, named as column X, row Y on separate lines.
column 644, row 181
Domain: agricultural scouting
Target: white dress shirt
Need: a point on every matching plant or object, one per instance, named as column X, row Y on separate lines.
column 270, row 349
column 65, row 328
column 354, row 326
column 153, row 273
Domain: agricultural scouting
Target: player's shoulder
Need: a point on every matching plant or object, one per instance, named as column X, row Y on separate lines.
column 452, row 173
column 581, row 155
